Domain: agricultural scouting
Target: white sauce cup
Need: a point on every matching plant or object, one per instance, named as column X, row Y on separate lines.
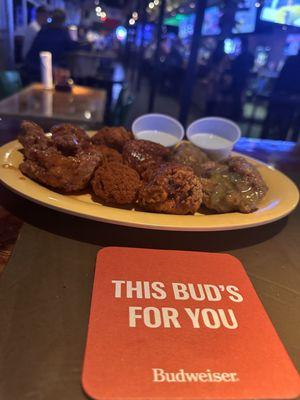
column 214, row 135
column 158, row 128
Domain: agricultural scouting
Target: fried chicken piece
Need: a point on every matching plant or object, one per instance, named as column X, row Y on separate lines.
column 33, row 136
column 110, row 154
column 65, row 173
column 171, row 189
column 188, row 154
column 147, row 174
column 69, row 139
column 116, row 183
column 112, row 136
column 143, row 154
column 235, row 185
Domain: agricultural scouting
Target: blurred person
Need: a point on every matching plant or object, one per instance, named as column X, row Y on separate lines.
column 217, row 79
column 240, row 71
column 149, row 51
column 284, row 99
column 165, row 48
column 33, row 28
column 149, row 59
column 101, row 42
column 82, row 34
column 227, row 21
column 288, row 82
column 164, row 51
column 55, row 38
column 175, row 55
column 173, row 66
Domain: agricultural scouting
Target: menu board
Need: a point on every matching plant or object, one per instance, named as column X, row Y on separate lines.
column 176, row 325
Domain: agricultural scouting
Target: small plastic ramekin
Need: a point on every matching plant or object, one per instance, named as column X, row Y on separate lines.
column 221, row 127
column 153, row 126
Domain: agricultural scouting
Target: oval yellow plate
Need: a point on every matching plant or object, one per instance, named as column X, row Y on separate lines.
column 280, row 200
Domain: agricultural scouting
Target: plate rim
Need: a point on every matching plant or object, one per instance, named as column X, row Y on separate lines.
column 15, row 145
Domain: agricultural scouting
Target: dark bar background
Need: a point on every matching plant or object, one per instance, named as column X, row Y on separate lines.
column 142, row 19
column 155, row 71
column 190, row 75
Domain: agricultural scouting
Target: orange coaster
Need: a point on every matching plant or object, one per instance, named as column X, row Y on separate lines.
column 176, row 325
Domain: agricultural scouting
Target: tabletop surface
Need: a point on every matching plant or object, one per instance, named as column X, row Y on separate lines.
column 45, row 289
column 81, row 105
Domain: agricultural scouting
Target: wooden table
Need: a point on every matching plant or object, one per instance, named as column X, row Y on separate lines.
column 83, row 106
column 45, row 289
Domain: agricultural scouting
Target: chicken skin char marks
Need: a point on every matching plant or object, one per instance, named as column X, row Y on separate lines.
column 235, row 185
column 33, row 136
column 46, row 164
column 69, row 139
column 171, row 189
column 55, row 170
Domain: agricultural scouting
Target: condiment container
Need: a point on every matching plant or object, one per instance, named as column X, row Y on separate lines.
column 214, row 135
column 158, row 128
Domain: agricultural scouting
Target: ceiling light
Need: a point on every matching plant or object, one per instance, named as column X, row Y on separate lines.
column 156, row 2
column 135, row 15
column 151, row 5
column 131, row 21
column 98, row 9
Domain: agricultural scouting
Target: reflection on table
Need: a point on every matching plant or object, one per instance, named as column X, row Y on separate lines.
column 82, row 105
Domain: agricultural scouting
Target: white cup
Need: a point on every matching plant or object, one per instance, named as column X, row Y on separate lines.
column 158, row 128
column 214, row 135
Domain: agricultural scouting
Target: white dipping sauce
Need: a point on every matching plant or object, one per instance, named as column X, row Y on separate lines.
column 210, row 141
column 163, row 138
